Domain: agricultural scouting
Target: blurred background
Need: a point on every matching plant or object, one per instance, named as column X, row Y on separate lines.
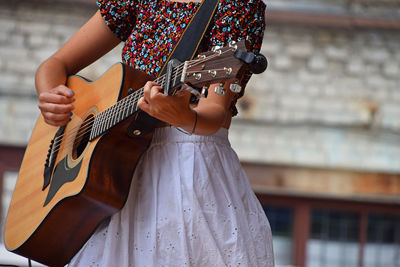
column 318, row 133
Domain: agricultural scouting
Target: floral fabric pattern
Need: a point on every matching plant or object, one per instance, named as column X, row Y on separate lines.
column 151, row 28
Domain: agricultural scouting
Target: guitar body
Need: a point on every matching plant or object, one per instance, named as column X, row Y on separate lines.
column 75, row 176
column 90, row 180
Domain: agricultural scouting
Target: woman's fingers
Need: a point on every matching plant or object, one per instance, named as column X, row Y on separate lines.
column 56, row 105
column 150, row 102
column 183, row 95
column 171, row 109
column 56, row 119
column 64, row 90
column 58, row 95
column 143, row 105
column 151, row 90
column 55, row 108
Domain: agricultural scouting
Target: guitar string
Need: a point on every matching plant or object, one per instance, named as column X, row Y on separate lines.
column 89, row 123
column 125, row 102
column 192, row 63
column 85, row 127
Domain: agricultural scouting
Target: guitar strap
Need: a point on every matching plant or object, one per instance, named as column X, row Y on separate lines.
column 191, row 38
column 185, row 49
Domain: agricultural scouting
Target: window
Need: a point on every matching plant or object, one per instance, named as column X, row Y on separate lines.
column 281, row 221
column 333, row 239
column 383, row 241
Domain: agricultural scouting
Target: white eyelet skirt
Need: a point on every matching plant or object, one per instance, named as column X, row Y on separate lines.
column 190, row 204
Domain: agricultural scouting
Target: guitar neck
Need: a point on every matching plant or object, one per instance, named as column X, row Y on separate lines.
column 219, row 65
column 129, row 105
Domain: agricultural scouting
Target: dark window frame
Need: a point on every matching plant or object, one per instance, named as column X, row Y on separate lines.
column 302, row 207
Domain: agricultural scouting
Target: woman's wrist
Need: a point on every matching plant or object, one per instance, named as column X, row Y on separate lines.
column 190, row 123
column 195, row 122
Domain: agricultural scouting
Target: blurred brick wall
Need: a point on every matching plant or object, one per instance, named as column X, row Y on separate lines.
column 328, row 99
column 30, row 32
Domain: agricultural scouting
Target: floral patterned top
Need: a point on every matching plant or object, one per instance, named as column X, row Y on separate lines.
column 151, row 28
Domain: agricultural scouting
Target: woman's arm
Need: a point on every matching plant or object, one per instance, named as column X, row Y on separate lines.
column 90, row 42
column 213, row 112
column 247, row 21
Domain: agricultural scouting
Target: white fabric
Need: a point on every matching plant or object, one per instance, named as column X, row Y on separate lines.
column 190, row 204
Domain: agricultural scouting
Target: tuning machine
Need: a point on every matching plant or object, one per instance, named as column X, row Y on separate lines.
column 235, row 87
column 216, row 48
column 233, row 44
column 204, row 92
column 219, row 89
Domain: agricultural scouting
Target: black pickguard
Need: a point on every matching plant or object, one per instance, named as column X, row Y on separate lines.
column 62, row 174
column 51, row 157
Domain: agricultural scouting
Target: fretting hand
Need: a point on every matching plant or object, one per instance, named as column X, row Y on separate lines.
column 174, row 110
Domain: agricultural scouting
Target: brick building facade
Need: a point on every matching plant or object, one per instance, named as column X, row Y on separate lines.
column 318, row 132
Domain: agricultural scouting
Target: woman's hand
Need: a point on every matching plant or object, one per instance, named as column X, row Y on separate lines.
column 89, row 43
column 174, row 110
column 212, row 112
column 56, row 105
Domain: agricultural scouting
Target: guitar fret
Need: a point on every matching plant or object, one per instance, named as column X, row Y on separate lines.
column 116, row 115
column 107, row 119
column 120, row 114
column 135, row 107
column 127, row 106
column 131, row 108
column 175, row 76
column 112, row 118
column 125, row 111
column 99, row 128
column 93, row 134
column 93, row 130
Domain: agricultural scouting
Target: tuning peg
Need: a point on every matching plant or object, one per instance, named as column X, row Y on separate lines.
column 216, row 48
column 213, row 73
column 233, row 45
column 228, row 71
column 219, row 89
column 204, row 92
column 197, row 76
column 235, row 87
column 259, row 64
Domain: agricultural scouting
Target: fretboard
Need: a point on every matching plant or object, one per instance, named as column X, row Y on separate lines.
column 127, row 106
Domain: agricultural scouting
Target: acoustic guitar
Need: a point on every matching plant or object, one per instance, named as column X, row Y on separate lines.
column 73, row 177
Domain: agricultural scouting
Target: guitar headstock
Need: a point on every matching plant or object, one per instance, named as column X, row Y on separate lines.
column 215, row 66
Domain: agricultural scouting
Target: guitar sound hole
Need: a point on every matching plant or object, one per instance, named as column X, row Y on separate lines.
column 82, row 137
